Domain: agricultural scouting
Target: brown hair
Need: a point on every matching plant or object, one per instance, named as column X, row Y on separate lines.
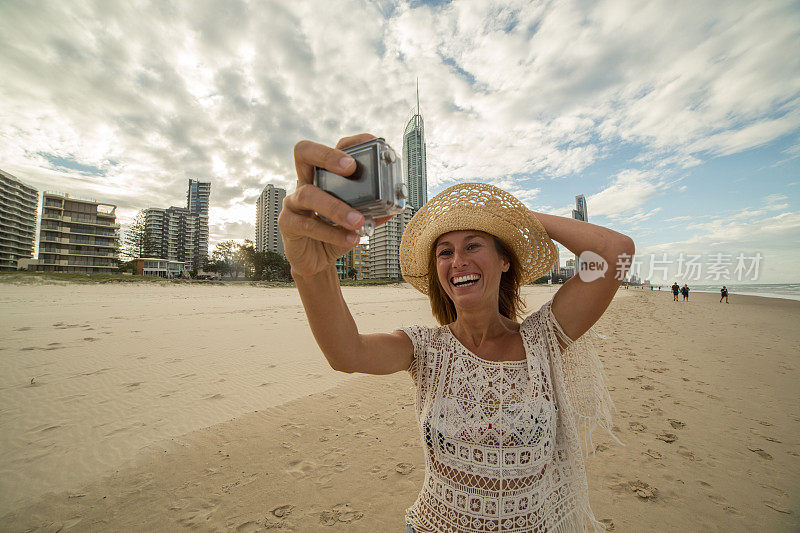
column 509, row 302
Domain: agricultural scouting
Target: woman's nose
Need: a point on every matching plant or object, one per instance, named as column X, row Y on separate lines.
column 459, row 259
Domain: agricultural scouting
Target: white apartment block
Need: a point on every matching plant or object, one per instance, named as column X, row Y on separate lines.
column 18, row 203
column 172, row 234
column 198, row 199
column 268, row 207
column 384, row 247
column 77, row 235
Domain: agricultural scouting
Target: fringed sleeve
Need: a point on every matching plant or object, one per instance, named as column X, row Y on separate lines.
column 419, row 338
column 584, row 377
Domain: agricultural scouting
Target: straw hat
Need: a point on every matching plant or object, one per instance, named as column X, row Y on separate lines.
column 476, row 206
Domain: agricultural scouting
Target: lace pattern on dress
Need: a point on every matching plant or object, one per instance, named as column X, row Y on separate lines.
column 501, row 442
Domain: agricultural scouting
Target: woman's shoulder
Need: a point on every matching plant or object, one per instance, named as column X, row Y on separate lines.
column 424, row 334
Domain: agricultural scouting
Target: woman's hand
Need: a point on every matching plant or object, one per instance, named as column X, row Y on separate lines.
column 310, row 244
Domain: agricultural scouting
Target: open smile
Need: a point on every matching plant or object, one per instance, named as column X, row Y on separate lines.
column 465, row 280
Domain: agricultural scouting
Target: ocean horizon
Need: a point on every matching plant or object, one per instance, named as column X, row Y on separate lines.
column 787, row 291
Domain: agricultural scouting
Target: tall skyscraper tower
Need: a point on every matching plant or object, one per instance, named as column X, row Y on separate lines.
column 384, row 244
column 198, row 198
column 580, row 213
column 268, row 207
column 414, row 162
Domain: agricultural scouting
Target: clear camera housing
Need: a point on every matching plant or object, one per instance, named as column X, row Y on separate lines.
column 376, row 188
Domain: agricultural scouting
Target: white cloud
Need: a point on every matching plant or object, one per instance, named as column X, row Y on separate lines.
column 153, row 94
column 625, row 197
column 747, row 232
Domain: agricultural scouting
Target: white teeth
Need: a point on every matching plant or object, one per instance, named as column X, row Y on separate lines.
column 458, row 280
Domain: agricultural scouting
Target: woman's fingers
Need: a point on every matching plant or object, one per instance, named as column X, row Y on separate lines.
column 296, row 225
column 308, row 155
column 309, row 198
column 346, row 142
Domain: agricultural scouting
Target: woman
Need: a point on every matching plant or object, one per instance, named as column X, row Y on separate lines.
column 499, row 403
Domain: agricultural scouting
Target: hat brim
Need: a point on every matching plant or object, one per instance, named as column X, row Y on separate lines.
column 498, row 213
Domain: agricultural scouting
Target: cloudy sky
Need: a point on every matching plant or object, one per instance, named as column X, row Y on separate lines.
column 679, row 121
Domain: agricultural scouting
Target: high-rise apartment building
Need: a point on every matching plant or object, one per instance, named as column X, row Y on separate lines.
column 18, row 203
column 268, row 207
column 384, row 247
column 555, row 270
column 355, row 262
column 359, row 260
column 580, row 213
column 172, row 234
column 77, row 235
column 198, row 199
column 181, row 233
column 414, row 160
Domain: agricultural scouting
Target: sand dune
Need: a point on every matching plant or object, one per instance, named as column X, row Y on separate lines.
column 210, row 407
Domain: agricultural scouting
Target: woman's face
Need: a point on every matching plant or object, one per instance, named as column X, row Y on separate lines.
column 469, row 268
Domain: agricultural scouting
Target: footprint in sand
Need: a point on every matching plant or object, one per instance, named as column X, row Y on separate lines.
column 340, row 513
column 643, row 490
column 685, row 452
column 608, row 523
column 654, row 454
column 647, row 387
column 777, row 507
column 676, row 424
column 282, row 511
column 719, row 500
column 637, row 426
column 404, row 468
column 761, row 453
column 667, row 437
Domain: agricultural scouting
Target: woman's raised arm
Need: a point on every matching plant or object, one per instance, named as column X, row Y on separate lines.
column 312, row 246
column 584, row 298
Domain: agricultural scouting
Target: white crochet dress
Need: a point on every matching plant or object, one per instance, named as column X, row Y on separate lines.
column 501, row 439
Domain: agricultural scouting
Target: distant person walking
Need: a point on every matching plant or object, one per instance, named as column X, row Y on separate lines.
column 675, row 289
column 723, row 293
column 685, row 292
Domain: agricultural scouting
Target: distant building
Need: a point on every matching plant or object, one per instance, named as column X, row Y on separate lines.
column 580, row 213
column 77, row 235
column 556, row 265
column 415, row 170
column 268, row 207
column 359, row 259
column 384, row 244
column 162, row 268
column 181, row 233
column 384, row 247
column 18, row 203
column 172, row 234
column 198, row 201
column 356, row 260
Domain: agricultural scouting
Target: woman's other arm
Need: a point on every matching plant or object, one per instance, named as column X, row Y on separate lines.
column 312, row 246
column 579, row 304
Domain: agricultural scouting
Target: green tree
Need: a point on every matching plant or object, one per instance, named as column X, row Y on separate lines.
column 138, row 242
column 223, row 255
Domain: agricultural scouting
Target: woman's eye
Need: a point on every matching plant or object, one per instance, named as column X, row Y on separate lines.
column 473, row 246
column 445, row 252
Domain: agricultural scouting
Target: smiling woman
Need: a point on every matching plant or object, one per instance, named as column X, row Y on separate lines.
column 499, row 403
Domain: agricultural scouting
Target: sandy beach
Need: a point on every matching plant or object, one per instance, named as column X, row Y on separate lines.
column 139, row 407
